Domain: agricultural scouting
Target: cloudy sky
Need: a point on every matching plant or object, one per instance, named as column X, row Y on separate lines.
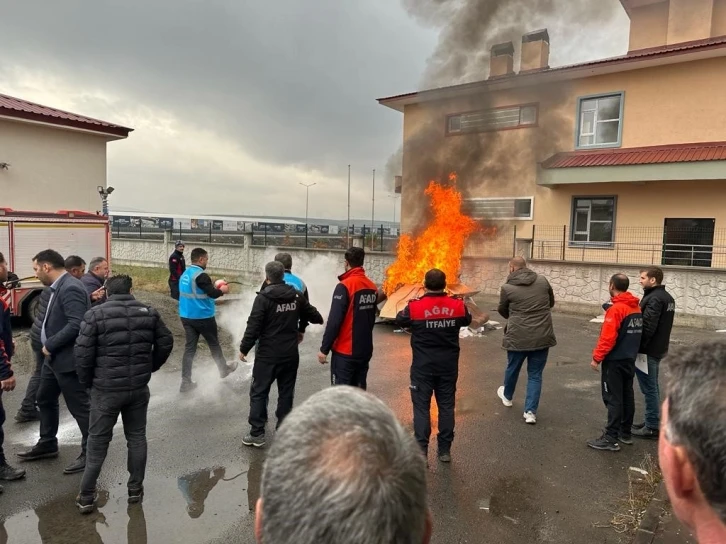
column 234, row 103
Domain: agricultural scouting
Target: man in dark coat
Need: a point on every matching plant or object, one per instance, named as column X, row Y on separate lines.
column 94, row 280
column 435, row 320
column 177, row 266
column 60, row 322
column 280, row 312
column 659, row 310
column 526, row 301
column 7, row 377
column 121, row 343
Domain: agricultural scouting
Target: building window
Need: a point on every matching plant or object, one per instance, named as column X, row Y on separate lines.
column 494, row 119
column 593, row 219
column 600, row 121
column 498, row 208
column 688, row 242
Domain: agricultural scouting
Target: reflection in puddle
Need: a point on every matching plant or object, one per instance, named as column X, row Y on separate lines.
column 215, row 499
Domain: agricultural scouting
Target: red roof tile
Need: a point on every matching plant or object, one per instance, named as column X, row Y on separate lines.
column 665, row 154
column 22, row 109
column 632, row 56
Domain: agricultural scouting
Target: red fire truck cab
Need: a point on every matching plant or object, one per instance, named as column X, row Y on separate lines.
column 24, row 234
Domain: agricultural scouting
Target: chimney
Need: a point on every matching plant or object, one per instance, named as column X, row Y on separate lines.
column 535, row 51
column 398, row 184
column 502, row 60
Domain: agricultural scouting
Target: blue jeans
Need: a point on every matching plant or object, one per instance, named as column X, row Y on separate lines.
column 650, row 388
column 536, row 361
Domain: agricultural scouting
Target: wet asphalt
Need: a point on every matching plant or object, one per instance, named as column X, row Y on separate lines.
column 508, row 483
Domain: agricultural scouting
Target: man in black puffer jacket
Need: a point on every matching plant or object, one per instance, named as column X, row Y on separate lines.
column 121, row 343
column 278, row 318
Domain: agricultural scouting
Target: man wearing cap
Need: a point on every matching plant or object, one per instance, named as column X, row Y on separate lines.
column 177, row 266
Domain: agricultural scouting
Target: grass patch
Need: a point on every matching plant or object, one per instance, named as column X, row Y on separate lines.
column 156, row 279
column 642, row 487
column 146, row 278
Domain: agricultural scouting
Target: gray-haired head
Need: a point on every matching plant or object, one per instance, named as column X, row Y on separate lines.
column 274, row 272
column 696, row 416
column 343, row 469
column 285, row 259
column 95, row 263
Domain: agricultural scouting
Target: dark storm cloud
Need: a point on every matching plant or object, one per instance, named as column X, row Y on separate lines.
column 290, row 82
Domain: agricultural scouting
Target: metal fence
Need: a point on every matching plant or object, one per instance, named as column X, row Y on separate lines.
column 634, row 246
column 380, row 239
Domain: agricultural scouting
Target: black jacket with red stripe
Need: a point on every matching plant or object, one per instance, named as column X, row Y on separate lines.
column 352, row 315
column 6, row 337
column 435, row 320
column 177, row 265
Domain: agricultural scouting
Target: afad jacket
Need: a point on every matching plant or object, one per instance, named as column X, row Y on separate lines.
column 621, row 332
column 349, row 331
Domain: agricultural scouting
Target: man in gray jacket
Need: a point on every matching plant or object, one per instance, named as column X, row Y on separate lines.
column 526, row 301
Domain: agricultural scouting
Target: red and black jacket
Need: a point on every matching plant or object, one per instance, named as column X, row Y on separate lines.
column 177, row 265
column 6, row 337
column 435, row 320
column 621, row 332
column 349, row 331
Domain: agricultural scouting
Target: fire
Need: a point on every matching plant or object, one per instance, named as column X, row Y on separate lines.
column 440, row 246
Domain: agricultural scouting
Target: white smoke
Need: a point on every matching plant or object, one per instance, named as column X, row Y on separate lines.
column 320, row 274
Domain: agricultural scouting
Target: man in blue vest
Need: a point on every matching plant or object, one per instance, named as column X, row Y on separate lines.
column 197, row 294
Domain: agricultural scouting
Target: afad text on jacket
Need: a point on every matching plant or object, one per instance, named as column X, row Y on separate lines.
column 621, row 332
column 352, row 316
column 278, row 314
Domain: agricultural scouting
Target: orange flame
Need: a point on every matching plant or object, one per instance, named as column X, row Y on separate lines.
column 440, row 246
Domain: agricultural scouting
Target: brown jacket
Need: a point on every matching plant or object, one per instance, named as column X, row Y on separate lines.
column 526, row 301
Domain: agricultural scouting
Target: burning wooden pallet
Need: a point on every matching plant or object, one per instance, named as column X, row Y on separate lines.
column 398, row 299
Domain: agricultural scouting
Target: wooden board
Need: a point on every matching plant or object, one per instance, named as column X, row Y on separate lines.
column 397, row 301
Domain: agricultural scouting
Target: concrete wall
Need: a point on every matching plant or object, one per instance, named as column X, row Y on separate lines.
column 51, row 169
column 582, row 288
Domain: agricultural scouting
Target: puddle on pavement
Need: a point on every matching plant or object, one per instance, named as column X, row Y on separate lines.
column 196, row 507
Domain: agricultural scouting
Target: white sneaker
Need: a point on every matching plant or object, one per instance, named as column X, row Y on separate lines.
column 506, row 402
column 530, row 418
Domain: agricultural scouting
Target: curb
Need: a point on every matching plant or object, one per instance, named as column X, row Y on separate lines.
column 651, row 519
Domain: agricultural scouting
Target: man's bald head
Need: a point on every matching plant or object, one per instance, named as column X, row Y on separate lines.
column 518, row 263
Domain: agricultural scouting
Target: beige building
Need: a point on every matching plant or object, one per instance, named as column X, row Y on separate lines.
column 52, row 160
column 617, row 160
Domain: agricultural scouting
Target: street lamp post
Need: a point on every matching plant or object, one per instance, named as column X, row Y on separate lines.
column 104, row 192
column 395, row 197
column 307, row 200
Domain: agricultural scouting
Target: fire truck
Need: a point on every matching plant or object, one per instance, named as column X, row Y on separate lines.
column 24, row 234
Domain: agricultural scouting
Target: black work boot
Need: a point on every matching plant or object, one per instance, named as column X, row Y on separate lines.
column 9, row 473
column 27, row 417
column 79, row 465
column 187, row 385
column 38, row 452
column 604, row 443
column 136, row 495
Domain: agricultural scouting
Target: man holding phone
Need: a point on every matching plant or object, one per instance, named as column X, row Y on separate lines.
column 95, row 279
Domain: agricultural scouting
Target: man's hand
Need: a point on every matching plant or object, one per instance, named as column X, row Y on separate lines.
column 300, row 337
column 224, row 288
column 8, row 385
column 243, row 357
column 322, row 358
column 595, row 365
column 98, row 294
column 46, row 352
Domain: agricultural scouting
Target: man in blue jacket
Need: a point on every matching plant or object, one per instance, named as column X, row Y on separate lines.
column 197, row 294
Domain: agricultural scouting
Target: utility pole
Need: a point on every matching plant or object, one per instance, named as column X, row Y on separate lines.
column 394, row 196
column 373, row 207
column 347, row 231
column 307, row 201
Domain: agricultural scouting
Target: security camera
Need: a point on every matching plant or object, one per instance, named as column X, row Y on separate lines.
column 99, row 189
column 110, row 190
